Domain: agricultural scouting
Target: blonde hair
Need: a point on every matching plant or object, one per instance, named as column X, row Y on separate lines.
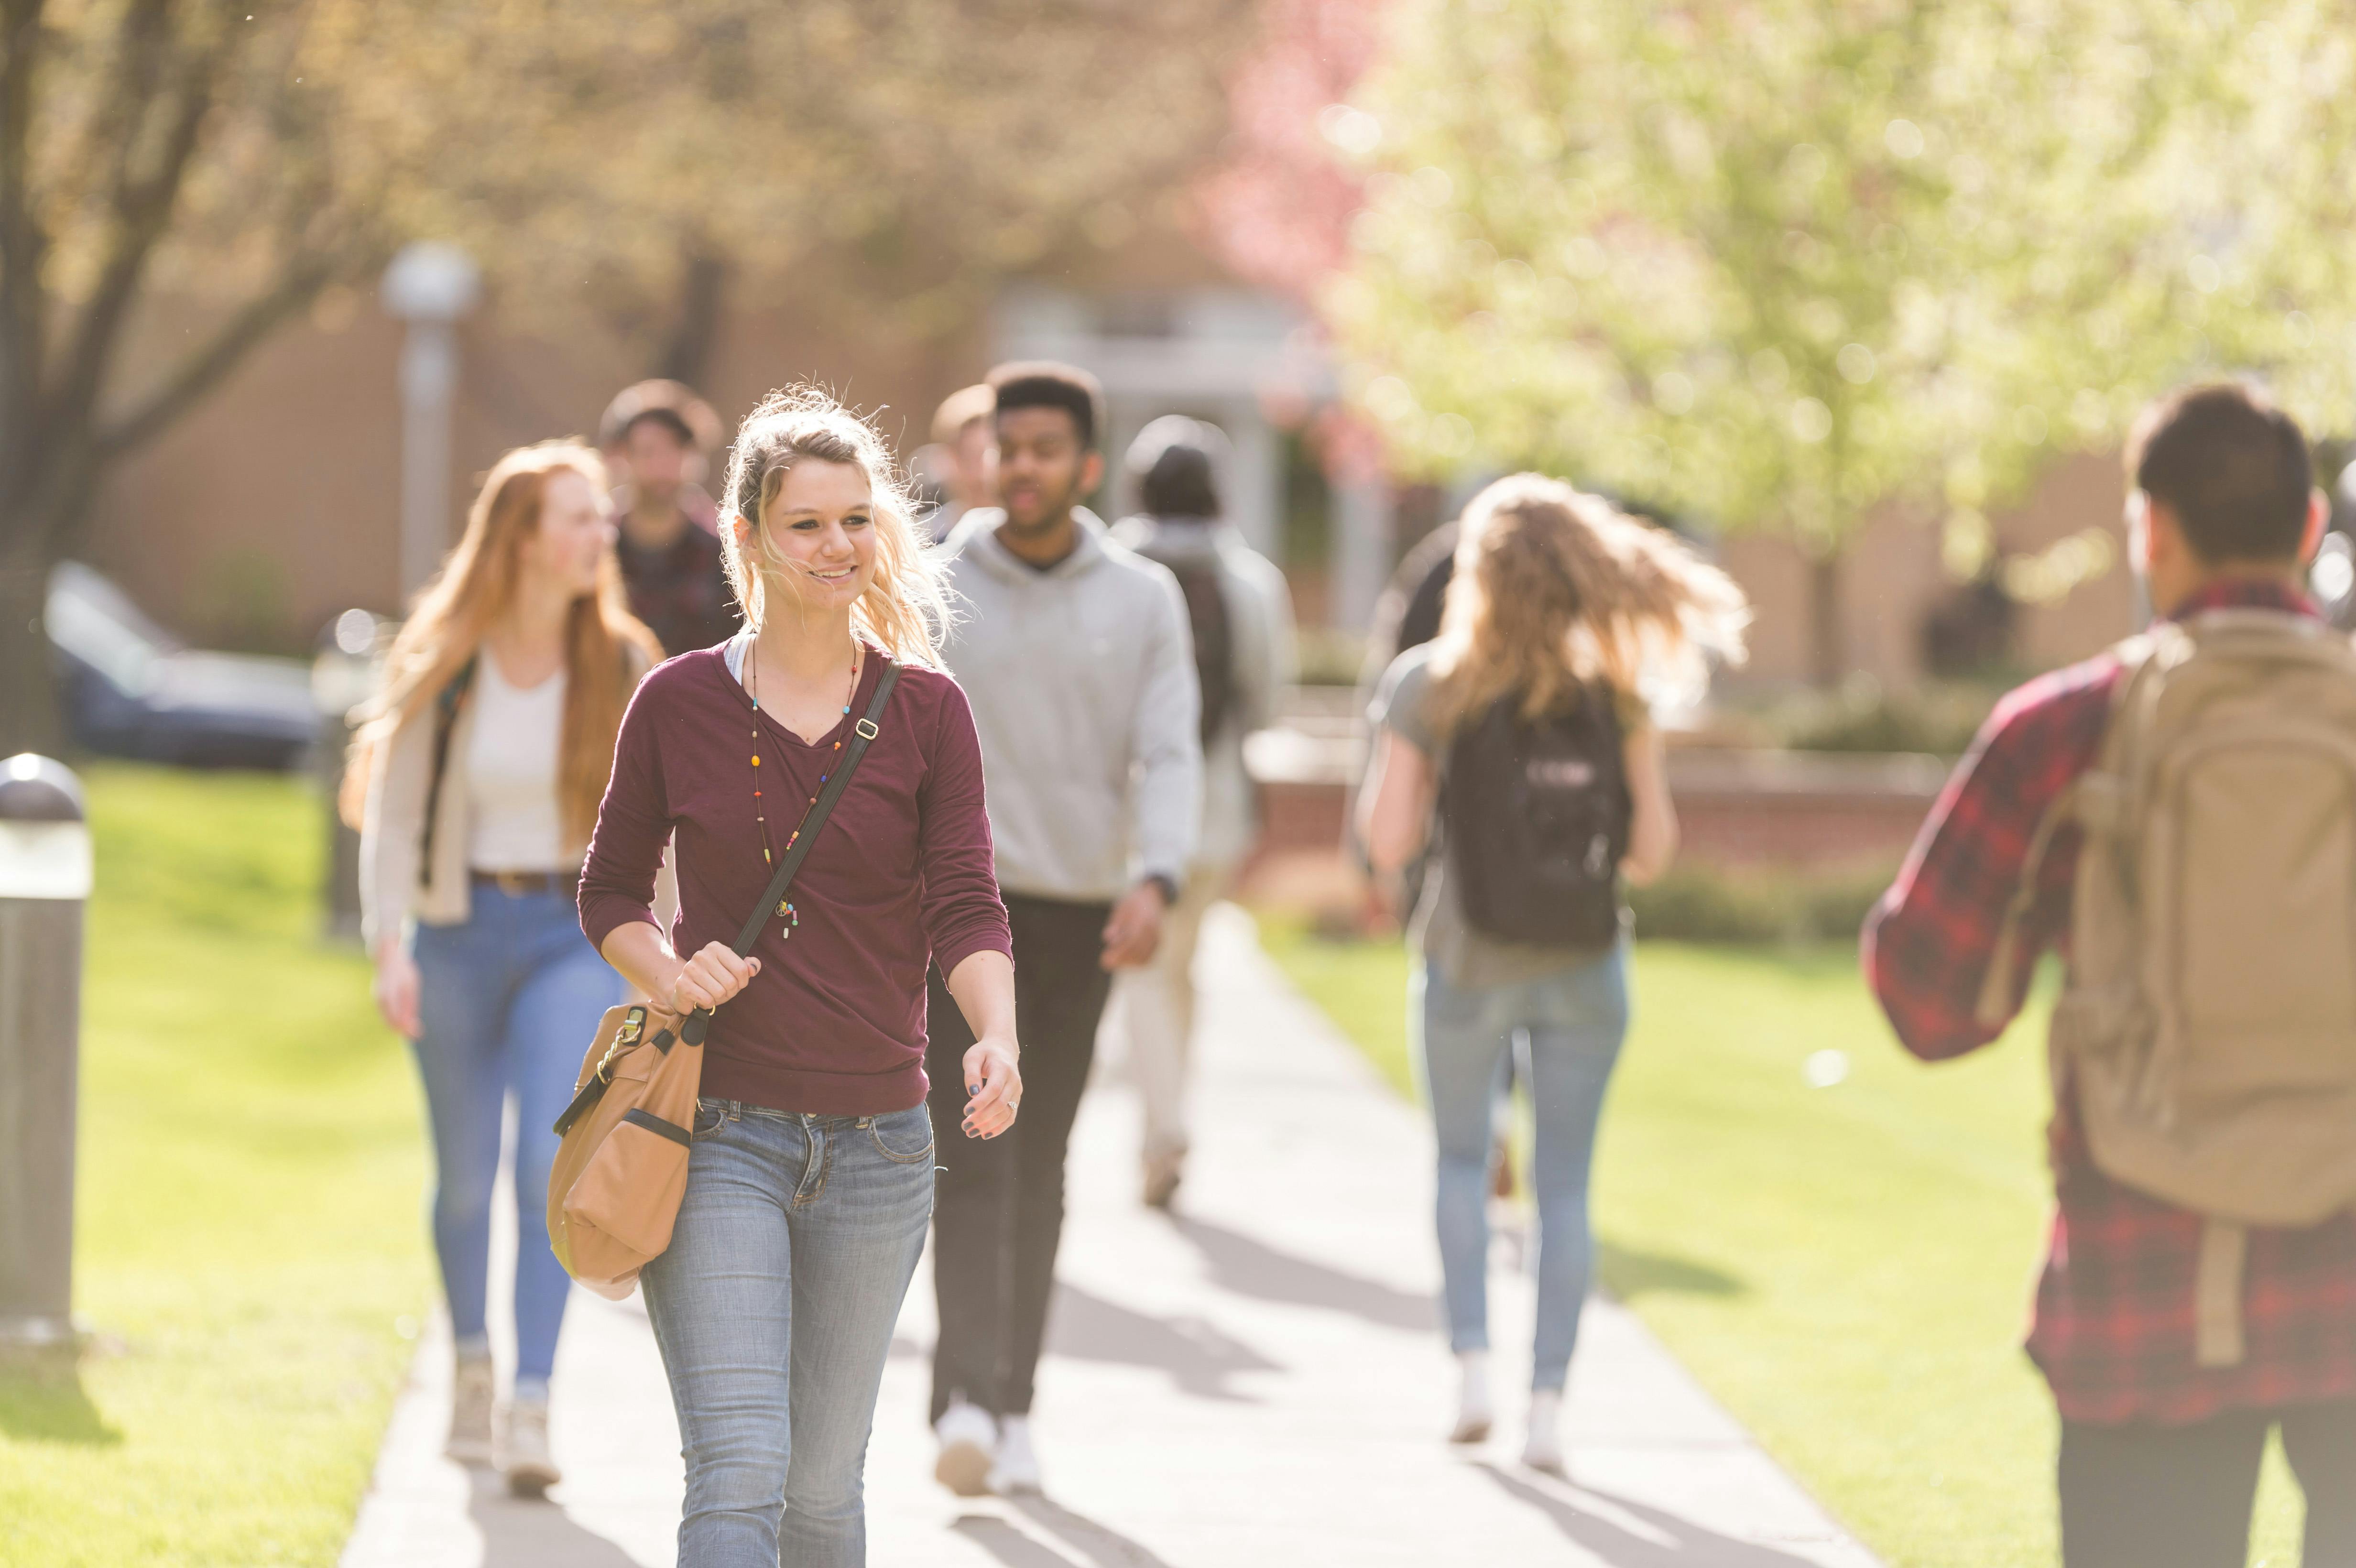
column 607, row 648
column 903, row 610
column 1554, row 588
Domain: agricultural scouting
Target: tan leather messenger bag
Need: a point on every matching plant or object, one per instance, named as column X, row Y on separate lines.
column 615, row 1189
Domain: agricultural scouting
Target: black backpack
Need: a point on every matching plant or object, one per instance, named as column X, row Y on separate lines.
column 1536, row 822
column 1203, row 585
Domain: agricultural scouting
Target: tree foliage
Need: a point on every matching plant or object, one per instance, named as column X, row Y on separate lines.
column 1778, row 262
column 239, row 159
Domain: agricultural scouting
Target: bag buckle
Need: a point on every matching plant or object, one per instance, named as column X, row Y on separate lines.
column 633, row 1023
column 866, row 728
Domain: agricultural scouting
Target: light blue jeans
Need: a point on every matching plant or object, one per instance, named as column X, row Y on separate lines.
column 773, row 1306
column 508, row 1001
column 1570, row 1025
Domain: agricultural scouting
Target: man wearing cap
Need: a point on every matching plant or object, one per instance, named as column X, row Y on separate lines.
column 654, row 436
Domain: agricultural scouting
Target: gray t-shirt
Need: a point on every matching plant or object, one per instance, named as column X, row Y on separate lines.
column 1463, row 955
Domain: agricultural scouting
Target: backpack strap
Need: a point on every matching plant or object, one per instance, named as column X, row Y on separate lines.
column 446, row 703
column 2217, row 1293
column 2002, row 980
column 2094, row 799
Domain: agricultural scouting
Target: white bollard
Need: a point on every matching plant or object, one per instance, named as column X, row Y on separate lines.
column 45, row 880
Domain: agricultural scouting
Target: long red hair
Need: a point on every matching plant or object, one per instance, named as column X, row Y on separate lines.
column 607, row 648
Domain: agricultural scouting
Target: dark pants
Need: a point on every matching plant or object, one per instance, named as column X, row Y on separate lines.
column 999, row 1210
column 2143, row 1496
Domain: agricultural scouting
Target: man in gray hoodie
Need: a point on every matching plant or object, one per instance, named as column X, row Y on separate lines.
column 1075, row 655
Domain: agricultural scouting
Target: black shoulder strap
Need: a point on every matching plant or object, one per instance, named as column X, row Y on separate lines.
column 862, row 732
column 445, row 720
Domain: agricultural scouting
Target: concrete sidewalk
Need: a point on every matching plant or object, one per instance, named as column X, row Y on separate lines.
column 1257, row 1380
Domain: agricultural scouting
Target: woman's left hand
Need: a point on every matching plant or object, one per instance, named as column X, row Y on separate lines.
column 995, row 1083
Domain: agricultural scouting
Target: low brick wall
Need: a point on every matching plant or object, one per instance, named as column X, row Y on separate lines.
column 1736, row 808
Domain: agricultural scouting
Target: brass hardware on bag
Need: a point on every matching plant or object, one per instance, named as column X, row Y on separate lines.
column 867, row 730
column 625, row 1037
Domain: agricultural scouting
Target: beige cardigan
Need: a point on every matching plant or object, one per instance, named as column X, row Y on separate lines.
column 393, row 823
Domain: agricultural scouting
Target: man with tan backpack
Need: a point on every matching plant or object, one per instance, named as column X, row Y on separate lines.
column 2178, row 816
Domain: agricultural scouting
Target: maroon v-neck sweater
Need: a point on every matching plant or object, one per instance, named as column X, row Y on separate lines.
column 901, row 874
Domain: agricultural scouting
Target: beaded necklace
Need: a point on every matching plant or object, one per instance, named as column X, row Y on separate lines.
column 786, row 911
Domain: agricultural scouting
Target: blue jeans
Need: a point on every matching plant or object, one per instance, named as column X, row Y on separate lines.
column 1572, row 1023
column 773, row 1306
column 507, row 1004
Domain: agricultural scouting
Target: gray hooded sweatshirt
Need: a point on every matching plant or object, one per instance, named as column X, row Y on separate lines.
column 1082, row 682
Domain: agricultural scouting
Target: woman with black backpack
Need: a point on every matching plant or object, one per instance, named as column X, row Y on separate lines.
column 1514, row 758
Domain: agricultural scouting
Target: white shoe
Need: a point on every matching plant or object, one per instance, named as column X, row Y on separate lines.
column 473, row 1389
column 1475, row 1414
column 969, row 1438
column 523, row 1449
column 1017, row 1469
column 1544, row 1449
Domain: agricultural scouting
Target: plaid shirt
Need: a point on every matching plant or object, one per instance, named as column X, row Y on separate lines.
column 2114, row 1324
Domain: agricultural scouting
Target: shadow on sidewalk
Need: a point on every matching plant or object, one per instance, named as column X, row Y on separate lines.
column 521, row 1533
column 1629, row 1272
column 1098, row 1546
column 1249, row 1266
column 1199, row 1358
column 1667, row 1541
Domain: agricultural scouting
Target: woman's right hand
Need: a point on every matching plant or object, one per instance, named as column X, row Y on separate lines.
column 710, row 977
column 395, row 989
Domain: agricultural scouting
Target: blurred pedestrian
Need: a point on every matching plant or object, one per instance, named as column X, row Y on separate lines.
column 958, row 460
column 1239, row 614
column 655, row 436
column 1074, row 653
column 476, row 780
column 812, row 1176
column 2175, row 815
column 1520, row 739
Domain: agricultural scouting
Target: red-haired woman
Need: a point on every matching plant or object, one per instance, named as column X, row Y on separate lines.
column 477, row 779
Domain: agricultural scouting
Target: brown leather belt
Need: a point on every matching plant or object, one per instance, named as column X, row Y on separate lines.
column 525, row 884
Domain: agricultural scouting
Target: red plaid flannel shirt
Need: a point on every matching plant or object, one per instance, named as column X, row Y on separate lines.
column 2114, row 1323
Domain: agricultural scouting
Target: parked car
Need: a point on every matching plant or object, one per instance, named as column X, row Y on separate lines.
column 130, row 688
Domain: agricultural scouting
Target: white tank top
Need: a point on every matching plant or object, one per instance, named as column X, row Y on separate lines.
column 511, row 772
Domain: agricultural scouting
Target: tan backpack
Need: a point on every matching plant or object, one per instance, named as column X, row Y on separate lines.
column 2209, row 1023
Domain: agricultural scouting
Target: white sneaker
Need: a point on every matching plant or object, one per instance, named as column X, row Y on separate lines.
column 473, row 1389
column 1475, row 1414
column 1017, row 1469
column 523, row 1449
column 1544, row 1449
column 968, row 1438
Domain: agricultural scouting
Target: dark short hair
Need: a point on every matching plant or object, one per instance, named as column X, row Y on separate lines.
column 2232, row 468
column 1044, row 384
column 674, row 407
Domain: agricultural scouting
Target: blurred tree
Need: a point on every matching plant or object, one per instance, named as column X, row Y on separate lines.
column 1780, row 263
column 234, row 161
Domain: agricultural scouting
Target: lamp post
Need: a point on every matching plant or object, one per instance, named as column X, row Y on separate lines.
column 429, row 286
column 45, row 877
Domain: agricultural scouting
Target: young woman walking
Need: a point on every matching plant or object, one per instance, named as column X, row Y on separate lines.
column 1519, row 740
column 476, row 783
column 812, row 1182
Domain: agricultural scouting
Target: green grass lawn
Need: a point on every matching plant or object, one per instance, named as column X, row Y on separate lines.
column 248, row 1230
column 1846, row 1268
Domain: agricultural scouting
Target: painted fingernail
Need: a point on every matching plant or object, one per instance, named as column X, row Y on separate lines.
column 973, row 1088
